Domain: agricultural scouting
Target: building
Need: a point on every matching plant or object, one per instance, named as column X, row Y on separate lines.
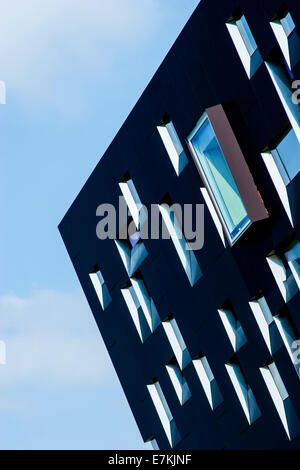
column 206, row 342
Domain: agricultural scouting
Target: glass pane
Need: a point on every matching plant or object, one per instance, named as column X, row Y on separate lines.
column 134, row 238
column 219, row 178
column 246, row 35
column 288, row 24
column 289, row 151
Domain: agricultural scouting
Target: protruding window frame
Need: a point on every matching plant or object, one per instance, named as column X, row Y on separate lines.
column 208, row 381
column 244, row 43
column 172, row 145
column 164, row 413
column 237, row 165
column 100, row 287
column 243, row 391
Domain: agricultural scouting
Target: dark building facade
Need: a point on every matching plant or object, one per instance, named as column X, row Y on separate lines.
column 206, row 342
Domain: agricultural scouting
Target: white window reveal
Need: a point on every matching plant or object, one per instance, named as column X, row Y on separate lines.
column 245, row 44
column 243, row 391
column 208, row 382
column 164, row 413
column 178, row 381
column 173, row 146
column 177, row 342
column 281, row 399
column 100, row 287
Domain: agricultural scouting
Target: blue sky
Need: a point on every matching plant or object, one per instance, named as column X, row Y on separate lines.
column 73, row 71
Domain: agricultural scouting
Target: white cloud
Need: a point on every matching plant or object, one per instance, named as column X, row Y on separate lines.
column 49, row 48
column 52, row 340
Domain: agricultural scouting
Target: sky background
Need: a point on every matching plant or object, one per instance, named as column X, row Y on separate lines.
column 73, row 71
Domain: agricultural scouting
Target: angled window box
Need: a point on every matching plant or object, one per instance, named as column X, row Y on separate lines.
column 281, row 400
column 245, row 44
column 133, row 201
column 276, row 329
column 232, row 326
column 285, row 267
column 283, row 164
column 173, row 145
column 289, row 336
column 164, row 413
column 284, row 30
column 283, row 79
column 178, row 381
column 141, row 307
column 132, row 252
column 243, row 391
column 146, row 302
column 265, row 322
column 177, row 342
column 208, row 381
column 100, row 287
column 225, row 174
column 185, row 253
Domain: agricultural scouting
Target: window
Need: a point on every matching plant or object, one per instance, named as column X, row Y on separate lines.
column 173, row 145
column 245, row 44
column 285, row 267
column 177, row 342
column 283, row 164
column 208, row 381
column 288, row 24
column 132, row 255
column 243, row 391
column 186, row 255
column 281, row 399
column 264, row 320
column 141, row 307
column 283, row 79
column 289, row 336
column 218, row 178
column 153, row 443
column 100, row 287
column 130, row 246
column 232, row 326
column 133, row 201
column 178, row 381
column 287, row 156
column 276, row 329
column 284, row 29
column 164, row 413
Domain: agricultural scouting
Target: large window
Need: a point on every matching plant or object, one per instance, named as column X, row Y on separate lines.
column 218, row 178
